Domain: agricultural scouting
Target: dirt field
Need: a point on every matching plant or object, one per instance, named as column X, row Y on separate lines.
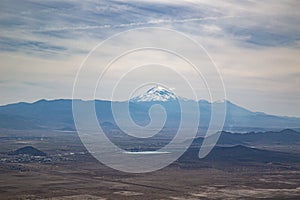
column 91, row 180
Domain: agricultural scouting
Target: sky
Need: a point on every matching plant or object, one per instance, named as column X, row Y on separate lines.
column 255, row 44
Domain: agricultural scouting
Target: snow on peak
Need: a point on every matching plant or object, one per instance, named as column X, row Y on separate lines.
column 157, row 93
column 220, row 101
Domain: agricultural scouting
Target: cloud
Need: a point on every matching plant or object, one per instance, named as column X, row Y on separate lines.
column 27, row 46
column 131, row 25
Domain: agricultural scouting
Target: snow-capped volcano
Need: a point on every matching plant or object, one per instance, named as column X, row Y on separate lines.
column 157, row 93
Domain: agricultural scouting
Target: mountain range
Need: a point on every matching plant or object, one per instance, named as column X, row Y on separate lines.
column 57, row 114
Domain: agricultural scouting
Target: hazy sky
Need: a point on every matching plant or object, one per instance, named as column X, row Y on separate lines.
column 256, row 44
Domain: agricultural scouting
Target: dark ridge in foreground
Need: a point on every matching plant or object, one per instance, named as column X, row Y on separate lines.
column 241, row 154
column 284, row 137
column 28, row 150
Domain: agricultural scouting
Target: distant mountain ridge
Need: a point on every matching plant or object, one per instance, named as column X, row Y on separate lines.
column 57, row 114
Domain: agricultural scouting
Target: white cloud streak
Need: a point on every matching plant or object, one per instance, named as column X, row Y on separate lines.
column 134, row 24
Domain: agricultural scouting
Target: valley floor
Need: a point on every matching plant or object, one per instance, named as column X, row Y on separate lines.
column 72, row 173
column 88, row 179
